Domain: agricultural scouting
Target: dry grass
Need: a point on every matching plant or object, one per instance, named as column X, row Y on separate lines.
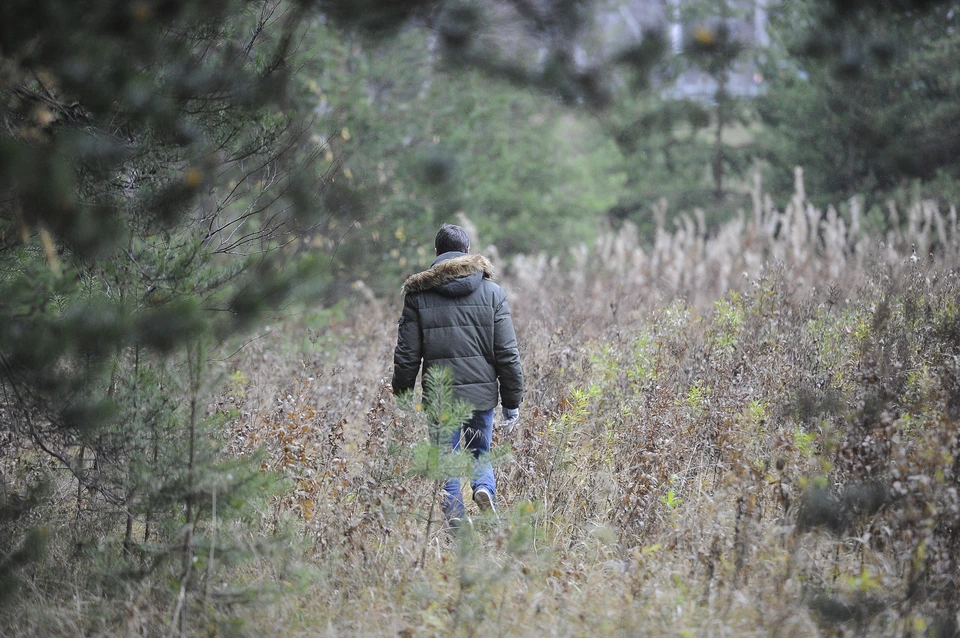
column 749, row 434
column 753, row 433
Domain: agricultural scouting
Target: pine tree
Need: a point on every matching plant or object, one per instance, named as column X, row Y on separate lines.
column 864, row 96
column 151, row 172
column 679, row 145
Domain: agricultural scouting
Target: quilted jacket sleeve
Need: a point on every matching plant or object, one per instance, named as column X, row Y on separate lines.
column 407, row 356
column 506, row 355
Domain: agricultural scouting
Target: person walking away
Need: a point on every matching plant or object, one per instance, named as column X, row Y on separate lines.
column 454, row 315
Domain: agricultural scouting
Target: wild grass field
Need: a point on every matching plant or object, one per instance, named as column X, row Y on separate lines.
column 735, row 423
column 753, row 433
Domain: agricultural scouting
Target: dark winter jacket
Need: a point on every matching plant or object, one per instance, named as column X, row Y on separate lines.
column 454, row 315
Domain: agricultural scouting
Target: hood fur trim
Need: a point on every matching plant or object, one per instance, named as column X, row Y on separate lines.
column 448, row 270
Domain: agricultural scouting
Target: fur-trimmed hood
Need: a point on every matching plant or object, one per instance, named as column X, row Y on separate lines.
column 452, row 275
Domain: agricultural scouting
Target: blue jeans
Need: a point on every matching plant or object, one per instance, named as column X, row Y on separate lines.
column 476, row 436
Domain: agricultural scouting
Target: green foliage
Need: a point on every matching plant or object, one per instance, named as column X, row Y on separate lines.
column 667, row 153
column 728, row 322
column 444, row 414
column 757, row 411
column 562, row 430
column 418, row 143
column 441, row 415
column 606, row 365
column 873, row 91
column 152, row 177
column 696, row 396
column 671, row 500
column 30, row 550
column 804, row 441
column 692, row 153
column 835, row 350
column 644, row 365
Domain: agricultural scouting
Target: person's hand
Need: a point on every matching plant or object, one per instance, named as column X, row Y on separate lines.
column 510, row 418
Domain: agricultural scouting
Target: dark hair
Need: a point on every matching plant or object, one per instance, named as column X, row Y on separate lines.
column 452, row 239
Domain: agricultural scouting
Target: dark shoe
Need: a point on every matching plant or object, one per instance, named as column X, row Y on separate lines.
column 484, row 500
column 458, row 527
column 455, row 525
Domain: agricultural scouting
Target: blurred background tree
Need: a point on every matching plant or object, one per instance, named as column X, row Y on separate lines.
column 419, row 143
column 864, row 96
column 696, row 95
column 686, row 130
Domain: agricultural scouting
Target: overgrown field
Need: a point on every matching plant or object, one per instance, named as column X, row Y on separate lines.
column 752, row 434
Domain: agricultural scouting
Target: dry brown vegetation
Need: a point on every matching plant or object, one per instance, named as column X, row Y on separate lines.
column 752, row 433
column 749, row 434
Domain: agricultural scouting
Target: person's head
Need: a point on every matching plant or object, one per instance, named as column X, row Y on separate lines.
column 452, row 239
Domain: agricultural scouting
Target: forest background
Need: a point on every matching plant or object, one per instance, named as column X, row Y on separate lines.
column 737, row 306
